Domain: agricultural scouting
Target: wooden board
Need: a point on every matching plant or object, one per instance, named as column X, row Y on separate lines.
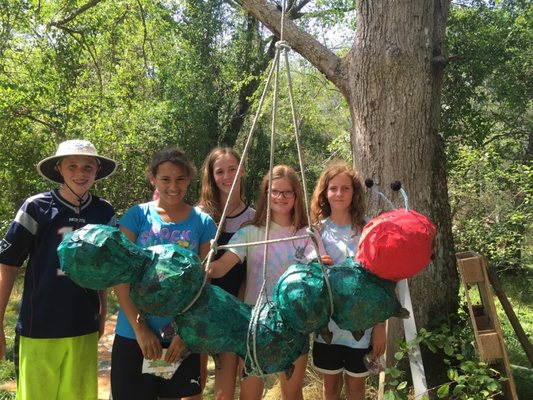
column 486, row 325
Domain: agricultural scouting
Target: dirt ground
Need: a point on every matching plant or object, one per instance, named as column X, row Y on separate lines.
column 312, row 385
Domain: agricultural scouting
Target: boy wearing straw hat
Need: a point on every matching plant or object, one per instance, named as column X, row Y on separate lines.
column 59, row 322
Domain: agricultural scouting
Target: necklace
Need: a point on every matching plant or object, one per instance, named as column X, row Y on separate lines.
column 235, row 208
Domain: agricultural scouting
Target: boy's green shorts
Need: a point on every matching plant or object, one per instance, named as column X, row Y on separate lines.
column 62, row 369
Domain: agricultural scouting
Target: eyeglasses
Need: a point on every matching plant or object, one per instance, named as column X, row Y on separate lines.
column 287, row 194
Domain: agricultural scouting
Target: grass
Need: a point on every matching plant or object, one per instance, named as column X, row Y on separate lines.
column 520, row 294
column 517, row 287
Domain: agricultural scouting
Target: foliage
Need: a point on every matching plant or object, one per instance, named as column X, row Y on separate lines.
column 134, row 77
column 468, row 378
column 487, row 122
column 492, row 200
column 517, row 287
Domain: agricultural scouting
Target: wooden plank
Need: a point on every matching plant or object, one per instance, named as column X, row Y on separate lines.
column 418, row 373
column 490, row 347
column 487, row 329
column 520, row 333
column 470, row 267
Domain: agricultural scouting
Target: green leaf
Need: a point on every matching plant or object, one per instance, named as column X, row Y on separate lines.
column 395, row 372
column 452, row 374
column 402, row 385
column 448, row 350
column 443, row 391
column 458, row 389
column 388, row 395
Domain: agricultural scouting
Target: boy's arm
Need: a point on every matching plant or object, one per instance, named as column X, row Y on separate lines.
column 8, row 275
column 220, row 267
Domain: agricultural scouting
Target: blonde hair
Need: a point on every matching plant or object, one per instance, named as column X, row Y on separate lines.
column 298, row 214
column 209, row 201
column 320, row 208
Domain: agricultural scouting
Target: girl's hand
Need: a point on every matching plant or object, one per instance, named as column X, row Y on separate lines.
column 379, row 339
column 174, row 350
column 148, row 342
column 326, row 260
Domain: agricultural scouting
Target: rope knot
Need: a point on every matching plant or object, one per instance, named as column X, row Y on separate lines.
column 312, row 234
column 282, row 44
column 214, row 246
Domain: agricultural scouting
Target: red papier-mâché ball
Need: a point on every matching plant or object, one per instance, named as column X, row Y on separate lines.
column 397, row 244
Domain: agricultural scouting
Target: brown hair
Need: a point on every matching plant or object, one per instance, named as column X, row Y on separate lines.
column 209, row 200
column 298, row 214
column 175, row 156
column 320, row 208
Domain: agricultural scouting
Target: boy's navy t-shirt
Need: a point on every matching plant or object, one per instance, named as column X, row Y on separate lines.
column 52, row 306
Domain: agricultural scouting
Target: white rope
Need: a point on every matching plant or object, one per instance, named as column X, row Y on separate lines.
column 256, row 311
column 281, row 45
column 229, row 246
column 304, row 184
column 209, row 257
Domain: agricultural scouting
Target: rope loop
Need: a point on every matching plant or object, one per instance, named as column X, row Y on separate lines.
column 282, row 45
column 214, row 247
column 312, row 233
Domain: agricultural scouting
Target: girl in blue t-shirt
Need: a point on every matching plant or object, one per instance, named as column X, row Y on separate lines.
column 338, row 208
column 168, row 219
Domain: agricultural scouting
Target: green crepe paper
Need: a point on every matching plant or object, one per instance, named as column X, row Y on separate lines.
column 302, row 297
column 277, row 344
column 101, row 256
column 169, row 283
column 360, row 298
column 165, row 279
column 216, row 322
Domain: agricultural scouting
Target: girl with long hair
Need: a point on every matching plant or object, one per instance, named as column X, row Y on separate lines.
column 288, row 219
column 338, row 208
column 219, row 171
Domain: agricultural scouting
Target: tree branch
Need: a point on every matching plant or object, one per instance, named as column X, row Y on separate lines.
column 75, row 13
column 316, row 53
column 24, row 112
column 145, row 34
column 442, row 61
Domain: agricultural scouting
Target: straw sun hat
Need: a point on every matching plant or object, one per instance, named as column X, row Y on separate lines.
column 47, row 167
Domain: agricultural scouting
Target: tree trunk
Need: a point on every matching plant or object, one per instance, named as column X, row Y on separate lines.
column 394, row 97
column 392, row 80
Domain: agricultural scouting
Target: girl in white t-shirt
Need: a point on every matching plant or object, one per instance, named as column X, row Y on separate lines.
column 288, row 218
column 338, row 208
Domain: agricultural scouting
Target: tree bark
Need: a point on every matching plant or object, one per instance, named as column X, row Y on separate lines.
column 395, row 103
column 392, row 81
column 333, row 67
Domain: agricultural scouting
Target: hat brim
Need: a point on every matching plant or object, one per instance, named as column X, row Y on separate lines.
column 47, row 167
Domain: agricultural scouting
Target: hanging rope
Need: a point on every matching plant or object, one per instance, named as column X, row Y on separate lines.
column 263, row 295
column 310, row 230
column 213, row 248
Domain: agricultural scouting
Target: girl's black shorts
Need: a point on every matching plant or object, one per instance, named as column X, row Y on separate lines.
column 127, row 381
